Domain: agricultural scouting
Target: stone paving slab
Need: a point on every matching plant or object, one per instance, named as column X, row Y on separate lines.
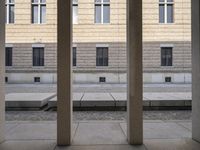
column 121, row 99
column 27, row 100
column 99, row 135
column 97, row 99
column 150, row 144
column 187, row 125
column 76, row 100
column 34, row 131
column 92, row 133
column 168, row 99
column 122, row 96
column 157, row 99
column 162, row 130
column 172, row 144
column 103, row 147
column 28, row 145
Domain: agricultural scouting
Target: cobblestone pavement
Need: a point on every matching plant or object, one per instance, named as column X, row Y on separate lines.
column 95, row 115
column 45, row 88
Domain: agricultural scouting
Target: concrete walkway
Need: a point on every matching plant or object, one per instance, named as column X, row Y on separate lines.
column 99, row 135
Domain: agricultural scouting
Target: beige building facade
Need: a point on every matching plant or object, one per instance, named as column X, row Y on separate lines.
column 99, row 41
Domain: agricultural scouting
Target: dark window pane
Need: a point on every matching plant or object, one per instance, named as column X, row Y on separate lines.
column 98, row 1
column 43, row 14
column 102, row 56
column 34, row 14
column 43, row 1
column 35, row 1
column 161, row 13
column 106, row 14
column 6, row 13
column 166, row 56
column 38, row 56
column 74, row 56
column 170, row 13
column 11, row 14
column 97, row 13
column 8, row 56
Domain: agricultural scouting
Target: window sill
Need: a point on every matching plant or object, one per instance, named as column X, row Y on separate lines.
column 166, row 23
column 38, row 23
column 10, row 24
column 38, row 67
column 101, row 67
column 8, row 67
column 167, row 67
column 102, row 23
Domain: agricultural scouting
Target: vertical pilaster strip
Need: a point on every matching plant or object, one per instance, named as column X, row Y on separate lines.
column 135, row 72
column 2, row 69
column 195, row 71
column 64, row 104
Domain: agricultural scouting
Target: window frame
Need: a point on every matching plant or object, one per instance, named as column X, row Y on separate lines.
column 39, row 4
column 7, row 5
column 43, row 60
column 164, row 48
column 97, row 57
column 166, row 3
column 101, row 3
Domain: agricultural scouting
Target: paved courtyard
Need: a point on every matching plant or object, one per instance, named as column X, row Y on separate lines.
column 99, row 135
column 101, row 130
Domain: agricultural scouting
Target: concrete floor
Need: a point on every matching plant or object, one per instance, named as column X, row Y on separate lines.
column 99, row 135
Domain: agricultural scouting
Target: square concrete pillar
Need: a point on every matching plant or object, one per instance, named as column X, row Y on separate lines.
column 64, row 66
column 135, row 72
column 2, row 69
column 195, row 71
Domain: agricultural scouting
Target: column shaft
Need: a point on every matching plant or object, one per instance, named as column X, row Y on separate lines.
column 64, row 103
column 195, row 71
column 2, row 69
column 135, row 71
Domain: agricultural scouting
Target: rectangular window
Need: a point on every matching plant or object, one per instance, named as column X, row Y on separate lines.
column 10, row 11
column 166, row 11
column 8, row 56
column 38, row 56
column 102, row 11
column 75, row 11
column 102, row 56
column 74, row 56
column 166, row 56
column 38, row 11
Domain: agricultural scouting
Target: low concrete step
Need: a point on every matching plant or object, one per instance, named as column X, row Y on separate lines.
column 28, row 100
column 120, row 100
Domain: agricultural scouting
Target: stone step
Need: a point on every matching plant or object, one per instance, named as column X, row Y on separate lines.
column 120, row 100
column 27, row 100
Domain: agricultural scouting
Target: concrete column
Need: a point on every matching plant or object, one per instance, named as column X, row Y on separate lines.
column 2, row 69
column 195, row 71
column 135, row 71
column 64, row 65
